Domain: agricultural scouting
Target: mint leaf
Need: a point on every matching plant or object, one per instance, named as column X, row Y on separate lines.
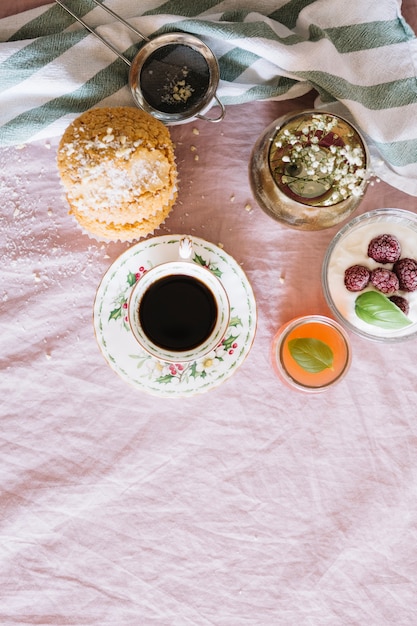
column 313, row 355
column 374, row 308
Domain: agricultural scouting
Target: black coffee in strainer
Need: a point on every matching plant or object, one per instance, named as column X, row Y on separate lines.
column 174, row 78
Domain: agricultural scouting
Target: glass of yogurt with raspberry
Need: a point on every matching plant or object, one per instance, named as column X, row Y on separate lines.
column 369, row 275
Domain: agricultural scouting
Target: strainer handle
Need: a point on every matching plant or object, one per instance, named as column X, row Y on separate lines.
column 214, row 119
column 96, row 34
column 120, row 19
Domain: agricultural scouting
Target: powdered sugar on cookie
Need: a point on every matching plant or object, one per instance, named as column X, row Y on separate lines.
column 118, row 169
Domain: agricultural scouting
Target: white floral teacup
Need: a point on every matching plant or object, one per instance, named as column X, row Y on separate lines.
column 179, row 310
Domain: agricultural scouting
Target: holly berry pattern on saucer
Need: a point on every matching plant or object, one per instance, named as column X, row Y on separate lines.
column 131, row 362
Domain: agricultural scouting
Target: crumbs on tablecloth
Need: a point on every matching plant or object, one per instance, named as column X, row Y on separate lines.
column 194, row 149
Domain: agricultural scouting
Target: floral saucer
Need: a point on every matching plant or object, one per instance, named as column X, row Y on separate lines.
column 131, row 362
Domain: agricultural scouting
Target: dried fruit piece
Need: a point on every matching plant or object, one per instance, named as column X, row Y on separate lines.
column 401, row 303
column 406, row 270
column 384, row 280
column 357, row 277
column 384, row 249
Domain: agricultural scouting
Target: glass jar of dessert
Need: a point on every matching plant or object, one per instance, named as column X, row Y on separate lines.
column 309, row 170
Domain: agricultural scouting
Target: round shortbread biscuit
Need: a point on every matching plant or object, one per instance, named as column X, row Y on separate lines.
column 117, row 165
column 104, row 231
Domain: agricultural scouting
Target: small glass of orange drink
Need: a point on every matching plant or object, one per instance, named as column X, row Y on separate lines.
column 311, row 353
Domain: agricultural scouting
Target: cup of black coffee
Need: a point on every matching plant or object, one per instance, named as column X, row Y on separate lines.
column 179, row 310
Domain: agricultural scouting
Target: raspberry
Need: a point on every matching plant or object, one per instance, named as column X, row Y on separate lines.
column 384, row 280
column 384, row 249
column 406, row 270
column 401, row 303
column 357, row 277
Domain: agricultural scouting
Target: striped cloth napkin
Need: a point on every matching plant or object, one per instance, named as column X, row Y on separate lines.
column 359, row 56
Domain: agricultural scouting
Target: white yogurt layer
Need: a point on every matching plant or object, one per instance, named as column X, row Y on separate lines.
column 352, row 249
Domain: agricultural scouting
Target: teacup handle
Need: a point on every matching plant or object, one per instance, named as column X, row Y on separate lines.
column 186, row 249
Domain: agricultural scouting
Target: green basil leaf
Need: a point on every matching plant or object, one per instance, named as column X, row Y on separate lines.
column 311, row 354
column 374, row 308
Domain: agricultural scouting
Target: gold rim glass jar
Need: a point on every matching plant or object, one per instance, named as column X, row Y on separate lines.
column 309, row 170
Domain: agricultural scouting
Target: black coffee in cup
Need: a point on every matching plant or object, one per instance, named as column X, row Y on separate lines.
column 178, row 312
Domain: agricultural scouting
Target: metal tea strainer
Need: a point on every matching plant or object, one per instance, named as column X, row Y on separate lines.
column 174, row 77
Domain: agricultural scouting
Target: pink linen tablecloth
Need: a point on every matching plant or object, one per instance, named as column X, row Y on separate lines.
column 248, row 505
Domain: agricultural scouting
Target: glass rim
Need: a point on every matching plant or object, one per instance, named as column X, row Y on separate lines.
column 284, row 121
column 283, row 332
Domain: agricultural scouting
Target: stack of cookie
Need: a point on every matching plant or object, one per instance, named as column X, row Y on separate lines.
column 117, row 165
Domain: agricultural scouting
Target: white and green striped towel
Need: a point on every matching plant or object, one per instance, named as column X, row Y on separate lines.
column 360, row 56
